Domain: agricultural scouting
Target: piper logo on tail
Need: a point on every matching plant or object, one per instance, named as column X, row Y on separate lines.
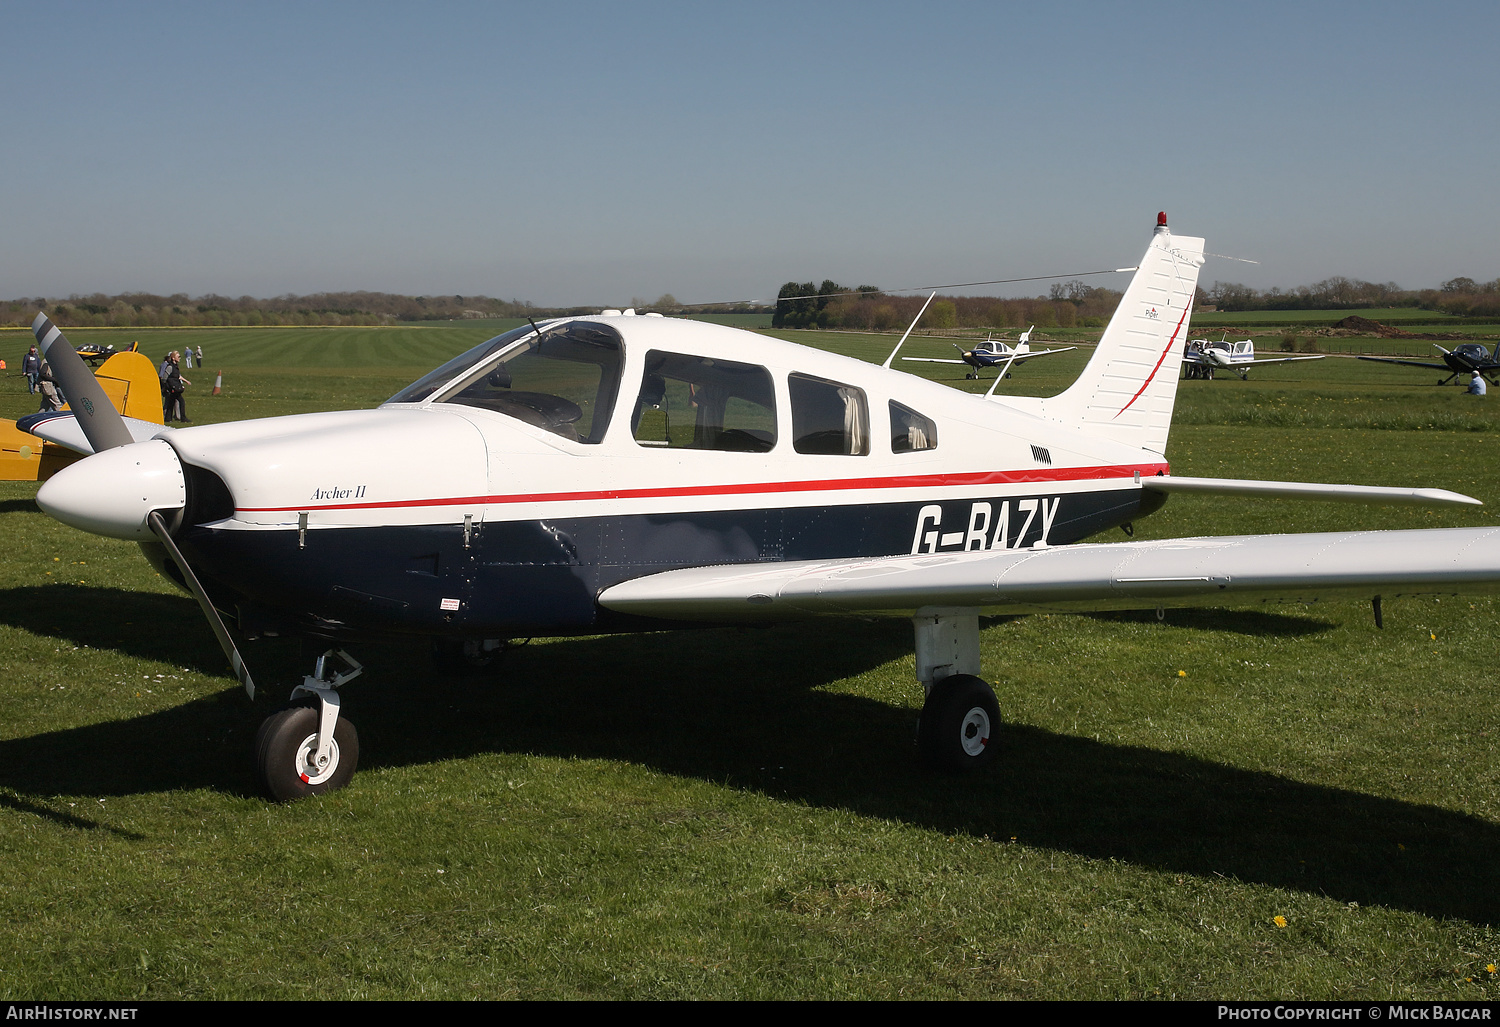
column 986, row 528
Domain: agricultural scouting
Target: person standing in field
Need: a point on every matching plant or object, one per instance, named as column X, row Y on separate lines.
column 188, row 356
column 173, row 385
column 31, row 367
column 200, row 356
column 51, row 397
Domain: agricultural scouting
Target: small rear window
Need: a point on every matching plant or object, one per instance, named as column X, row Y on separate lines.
column 911, row 432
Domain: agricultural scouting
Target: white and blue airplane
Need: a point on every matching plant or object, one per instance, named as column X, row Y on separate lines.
column 620, row 473
column 990, row 353
column 1204, row 356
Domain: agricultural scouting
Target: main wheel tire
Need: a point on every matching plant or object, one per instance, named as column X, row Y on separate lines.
column 959, row 723
column 284, row 748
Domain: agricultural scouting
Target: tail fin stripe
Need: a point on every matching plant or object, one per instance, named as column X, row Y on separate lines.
column 1167, row 349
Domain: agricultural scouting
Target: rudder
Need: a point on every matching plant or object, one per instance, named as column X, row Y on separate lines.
column 1130, row 383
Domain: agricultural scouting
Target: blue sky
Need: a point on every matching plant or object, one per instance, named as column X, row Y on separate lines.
column 588, row 153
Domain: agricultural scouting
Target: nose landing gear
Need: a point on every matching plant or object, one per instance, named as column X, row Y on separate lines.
column 307, row 748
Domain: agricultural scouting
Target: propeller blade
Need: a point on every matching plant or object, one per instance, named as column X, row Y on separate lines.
column 101, row 423
column 226, row 643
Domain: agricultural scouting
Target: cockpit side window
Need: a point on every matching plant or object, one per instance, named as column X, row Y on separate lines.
column 828, row 417
column 911, row 432
column 693, row 402
column 563, row 380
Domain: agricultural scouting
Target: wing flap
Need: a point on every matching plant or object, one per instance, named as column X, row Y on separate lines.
column 1111, row 576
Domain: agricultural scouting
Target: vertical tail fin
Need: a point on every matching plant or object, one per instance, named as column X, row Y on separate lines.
column 1129, row 385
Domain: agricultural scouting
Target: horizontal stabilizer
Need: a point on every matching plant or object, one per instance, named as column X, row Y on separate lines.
column 62, row 428
column 1380, row 494
column 1225, row 571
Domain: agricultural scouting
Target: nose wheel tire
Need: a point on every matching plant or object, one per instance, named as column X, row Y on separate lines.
column 959, row 723
column 286, row 748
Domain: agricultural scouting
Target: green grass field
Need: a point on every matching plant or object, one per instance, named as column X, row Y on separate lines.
column 740, row 813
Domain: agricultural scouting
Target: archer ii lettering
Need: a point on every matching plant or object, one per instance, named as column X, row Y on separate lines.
column 351, row 492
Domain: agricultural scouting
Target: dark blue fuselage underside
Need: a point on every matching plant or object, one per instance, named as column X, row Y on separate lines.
column 541, row 577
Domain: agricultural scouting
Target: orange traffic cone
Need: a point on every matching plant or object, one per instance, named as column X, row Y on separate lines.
column 218, row 383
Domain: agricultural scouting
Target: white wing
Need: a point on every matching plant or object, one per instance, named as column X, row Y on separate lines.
column 62, row 428
column 1109, row 576
column 1042, row 353
column 1275, row 360
column 1169, row 483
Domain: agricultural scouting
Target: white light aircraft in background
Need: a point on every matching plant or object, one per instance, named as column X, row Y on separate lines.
column 1203, row 357
column 994, row 354
column 622, row 473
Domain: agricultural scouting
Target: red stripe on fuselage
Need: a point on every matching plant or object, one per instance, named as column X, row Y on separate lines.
column 1159, row 359
column 1043, row 474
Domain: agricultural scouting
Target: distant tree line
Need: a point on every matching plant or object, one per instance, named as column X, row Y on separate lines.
column 866, row 308
column 799, row 305
column 146, row 310
column 1463, row 296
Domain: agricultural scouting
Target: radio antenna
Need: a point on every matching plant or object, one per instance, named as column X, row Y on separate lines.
column 908, row 332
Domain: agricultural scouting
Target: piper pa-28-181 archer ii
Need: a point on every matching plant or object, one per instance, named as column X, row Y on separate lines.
column 620, row 473
column 1203, row 357
column 994, row 354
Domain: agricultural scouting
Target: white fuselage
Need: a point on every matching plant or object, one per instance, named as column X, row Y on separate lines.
column 432, row 493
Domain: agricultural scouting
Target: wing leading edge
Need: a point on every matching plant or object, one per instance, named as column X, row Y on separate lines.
column 62, row 428
column 1217, row 571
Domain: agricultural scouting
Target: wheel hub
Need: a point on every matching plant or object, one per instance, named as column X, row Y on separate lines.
column 975, row 731
column 308, row 767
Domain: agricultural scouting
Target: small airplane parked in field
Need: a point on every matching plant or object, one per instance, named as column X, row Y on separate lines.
column 1203, row 357
column 624, row 473
column 130, row 383
column 994, row 354
column 94, row 353
column 1466, row 358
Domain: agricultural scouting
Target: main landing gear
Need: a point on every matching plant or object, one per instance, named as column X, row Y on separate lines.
column 307, row 748
column 961, row 719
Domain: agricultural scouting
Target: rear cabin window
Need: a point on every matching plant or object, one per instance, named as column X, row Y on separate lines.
column 563, row 380
column 911, row 432
column 828, row 417
column 693, row 402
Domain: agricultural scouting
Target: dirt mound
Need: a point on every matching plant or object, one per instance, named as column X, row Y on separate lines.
column 1364, row 326
column 1356, row 325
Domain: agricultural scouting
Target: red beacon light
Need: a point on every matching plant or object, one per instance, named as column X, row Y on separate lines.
column 1161, row 219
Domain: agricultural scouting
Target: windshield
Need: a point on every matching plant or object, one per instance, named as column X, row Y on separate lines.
column 419, row 390
column 563, row 380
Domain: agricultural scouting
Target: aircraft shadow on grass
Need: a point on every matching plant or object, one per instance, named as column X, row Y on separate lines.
column 17, row 506
column 1255, row 623
column 766, row 720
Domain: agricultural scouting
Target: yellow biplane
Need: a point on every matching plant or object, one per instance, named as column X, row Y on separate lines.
column 129, row 380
